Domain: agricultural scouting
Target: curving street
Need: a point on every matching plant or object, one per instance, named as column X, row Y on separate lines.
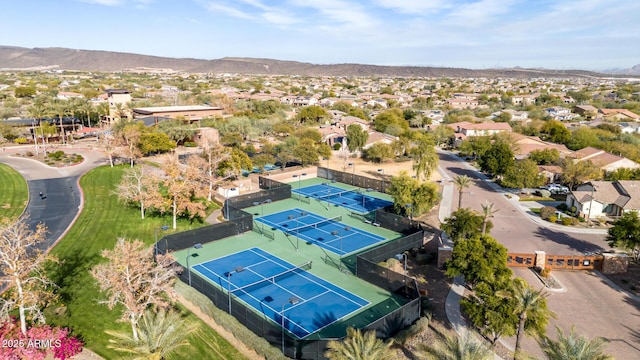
column 588, row 300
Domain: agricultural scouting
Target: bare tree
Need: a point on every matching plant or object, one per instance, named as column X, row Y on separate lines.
column 21, row 272
column 183, row 187
column 138, row 186
column 213, row 155
column 134, row 280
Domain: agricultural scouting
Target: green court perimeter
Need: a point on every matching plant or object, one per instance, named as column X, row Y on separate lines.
column 325, row 263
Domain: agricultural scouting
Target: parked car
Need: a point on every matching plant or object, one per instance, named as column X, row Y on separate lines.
column 555, row 188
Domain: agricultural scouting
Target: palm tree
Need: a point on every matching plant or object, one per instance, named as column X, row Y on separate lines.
column 462, row 182
column 60, row 108
column 38, row 110
column 531, row 308
column 454, row 347
column 160, row 333
column 358, row 346
column 573, row 347
column 487, row 212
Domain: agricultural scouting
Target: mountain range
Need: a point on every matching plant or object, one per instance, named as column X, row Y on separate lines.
column 19, row 58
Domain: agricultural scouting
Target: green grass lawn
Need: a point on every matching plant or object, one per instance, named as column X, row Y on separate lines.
column 13, row 192
column 100, row 224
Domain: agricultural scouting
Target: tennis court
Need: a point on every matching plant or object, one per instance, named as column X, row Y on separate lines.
column 330, row 234
column 354, row 199
column 289, row 295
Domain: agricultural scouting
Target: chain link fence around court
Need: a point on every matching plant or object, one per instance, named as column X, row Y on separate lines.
column 367, row 269
column 352, row 179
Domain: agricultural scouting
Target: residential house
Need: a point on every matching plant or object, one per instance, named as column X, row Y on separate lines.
column 190, row 113
column 524, row 145
column 608, row 162
column 550, row 173
column 479, row 129
column 526, row 99
column 629, row 128
column 619, row 114
column 605, row 198
column 67, row 95
column 378, row 137
column 559, row 113
column 345, row 121
column 462, row 103
column 332, row 135
column 588, row 112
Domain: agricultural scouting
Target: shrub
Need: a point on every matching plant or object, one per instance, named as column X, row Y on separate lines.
column 543, row 193
column 581, row 219
column 553, row 218
column 562, row 207
column 20, row 140
column 190, row 144
column 408, row 333
column 545, row 272
column 566, row 221
column 57, row 155
column 573, row 209
column 547, row 211
column 28, row 154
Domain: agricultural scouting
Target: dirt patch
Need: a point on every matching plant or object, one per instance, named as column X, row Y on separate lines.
column 57, row 158
column 629, row 281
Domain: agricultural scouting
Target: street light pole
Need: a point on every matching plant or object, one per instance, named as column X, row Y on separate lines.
column 226, row 201
column 155, row 245
column 196, row 246
column 237, row 270
column 381, row 171
column 293, row 300
column 353, row 174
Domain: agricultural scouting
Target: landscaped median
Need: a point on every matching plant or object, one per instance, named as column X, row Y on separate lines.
column 98, row 227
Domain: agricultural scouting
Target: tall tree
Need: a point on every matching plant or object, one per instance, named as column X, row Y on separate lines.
column 491, row 314
column 21, row 271
column 138, row 186
column 497, row 159
column 177, row 130
column 487, row 212
column 358, row 346
column 555, row 131
column 425, row 158
column 213, row 154
column 356, row 137
column 464, row 347
column 161, row 334
column 406, row 190
column 530, row 306
column 576, row 172
column 625, row 233
column 130, row 136
column 479, row 259
column 574, row 347
column 464, row 223
column 38, row 110
column 462, row 182
column 61, row 109
column 523, row 174
column 132, row 278
column 182, row 189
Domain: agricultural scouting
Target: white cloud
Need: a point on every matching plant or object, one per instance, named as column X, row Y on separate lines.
column 136, row 3
column 479, row 13
column 224, row 9
column 414, row 7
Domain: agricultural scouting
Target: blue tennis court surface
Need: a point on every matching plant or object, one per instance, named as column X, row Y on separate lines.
column 281, row 291
column 350, row 199
column 330, row 234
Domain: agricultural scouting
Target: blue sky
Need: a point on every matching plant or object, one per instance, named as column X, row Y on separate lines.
column 559, row 34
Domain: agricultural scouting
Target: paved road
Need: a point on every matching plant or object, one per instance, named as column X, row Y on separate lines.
column 589, row 301
column 511, row 225
column 61, row 201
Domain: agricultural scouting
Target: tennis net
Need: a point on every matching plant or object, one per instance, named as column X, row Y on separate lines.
column 314, row 225
column 337, row 195
column 274, row 278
